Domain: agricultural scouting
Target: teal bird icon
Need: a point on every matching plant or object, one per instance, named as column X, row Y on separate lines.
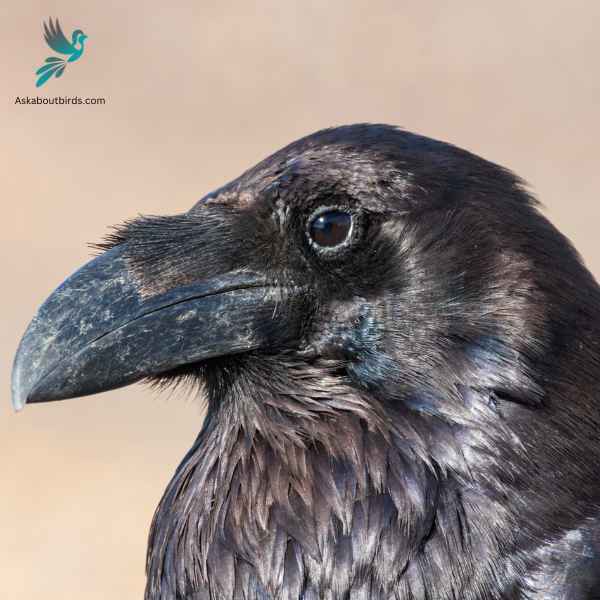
column 55, row 38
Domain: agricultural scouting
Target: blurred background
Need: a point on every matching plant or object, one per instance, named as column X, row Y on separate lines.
column 197, row 91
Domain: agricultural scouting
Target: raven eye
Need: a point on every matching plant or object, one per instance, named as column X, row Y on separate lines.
column 330, row 228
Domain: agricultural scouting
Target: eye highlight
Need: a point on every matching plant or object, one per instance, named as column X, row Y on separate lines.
column 330, row 228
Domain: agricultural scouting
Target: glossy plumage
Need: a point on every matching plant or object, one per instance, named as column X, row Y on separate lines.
column 411, row 415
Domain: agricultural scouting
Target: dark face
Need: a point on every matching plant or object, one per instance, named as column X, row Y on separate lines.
column 406, row 260
column 381, row 322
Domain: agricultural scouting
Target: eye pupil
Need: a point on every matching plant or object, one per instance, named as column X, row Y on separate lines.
column 330, row 228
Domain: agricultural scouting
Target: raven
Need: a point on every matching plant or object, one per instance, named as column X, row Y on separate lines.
column 400, row 358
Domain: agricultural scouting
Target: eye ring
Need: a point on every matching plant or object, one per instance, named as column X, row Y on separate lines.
column 341, row 231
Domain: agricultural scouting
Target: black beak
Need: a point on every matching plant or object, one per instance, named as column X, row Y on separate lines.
column 98, row 332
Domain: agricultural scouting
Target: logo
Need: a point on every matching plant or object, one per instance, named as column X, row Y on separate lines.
column 55, row 38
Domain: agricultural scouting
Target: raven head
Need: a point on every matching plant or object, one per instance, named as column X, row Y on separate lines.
column 397, row 350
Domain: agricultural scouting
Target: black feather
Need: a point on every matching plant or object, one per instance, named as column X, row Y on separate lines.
column 433, row 432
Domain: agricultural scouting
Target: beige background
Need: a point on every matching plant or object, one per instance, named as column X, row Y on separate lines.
column 198, row 91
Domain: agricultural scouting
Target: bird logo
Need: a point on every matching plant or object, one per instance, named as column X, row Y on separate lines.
column 55, row 38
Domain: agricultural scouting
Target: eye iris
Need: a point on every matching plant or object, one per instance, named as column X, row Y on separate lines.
column 330, row 228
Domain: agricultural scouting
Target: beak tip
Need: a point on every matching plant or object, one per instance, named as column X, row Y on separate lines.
column 19, row 398
column 18, row 405
column 24, row 374
column 18, row 392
